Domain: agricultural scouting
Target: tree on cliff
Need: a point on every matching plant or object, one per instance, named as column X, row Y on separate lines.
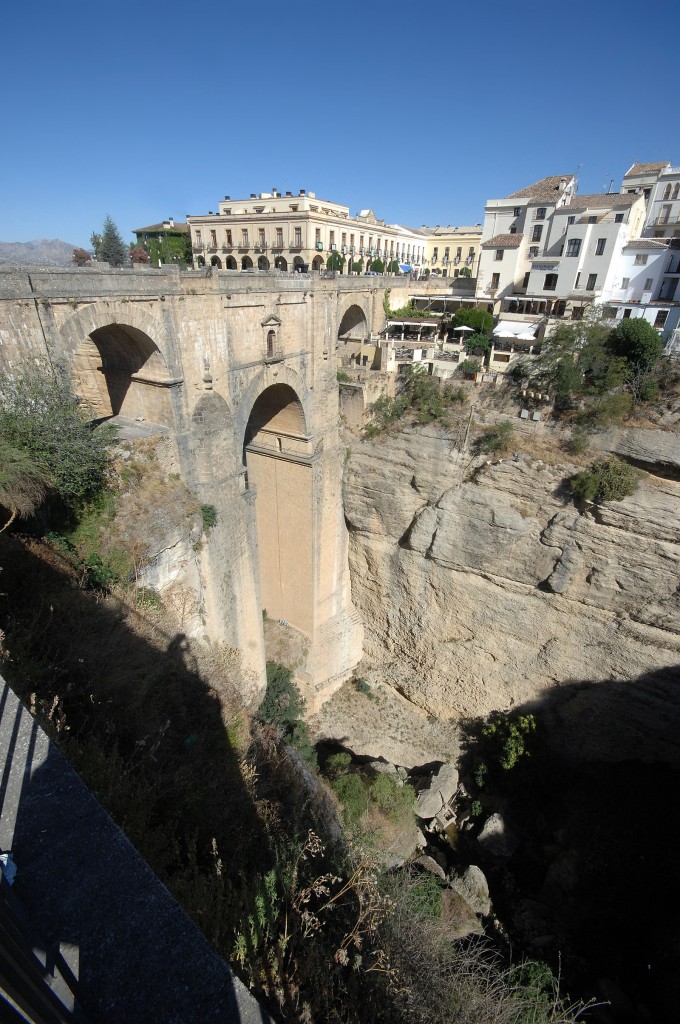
column 109, row 247
column 636, row 341
column 41, row 417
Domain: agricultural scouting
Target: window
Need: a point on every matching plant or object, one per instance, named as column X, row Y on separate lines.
column 550, row 283
column 661, row 318
column 592, row 278
column 577, row 281
column 571, row 220
column 599, row 248
column 332, row 238
column 361, row 241
column 459, row 251
column 279, row 237
column 270, row 343
column 351, row 241
column 573, row 247
column 298, row 237
column 513, row 229
column 641, row 260
column 649, row 284
column 626, row 314
column 625, row 282
column 495, row 280
column 344, row 238
column 525, row 281
column 229, row 241
column 499, row 254
column 676, row 191
column 446, row 253
column 667, row 191
column 533, row 252
column 213, row 238
column 540, row 213
column 244, row 236
column 517, row 212
column 537, row 232
column 471, row 251
column 260, row 234
column 317, row 237
column 199, row 240
column 435, row 252
column 592, row 220
column 618, row 218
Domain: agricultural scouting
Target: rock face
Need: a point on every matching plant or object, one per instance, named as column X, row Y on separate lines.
column 484, row 587
column 431, row 800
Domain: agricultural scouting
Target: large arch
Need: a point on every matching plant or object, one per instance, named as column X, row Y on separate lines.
column 216, row 262
column 277, row 453
column 230, row 263
column 354, row 323
column 263, row 263
column 298, row 264
column 246, row 263
column 281, row 263
column 317, row 263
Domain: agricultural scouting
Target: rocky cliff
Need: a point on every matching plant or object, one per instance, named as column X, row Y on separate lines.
column 482, row 586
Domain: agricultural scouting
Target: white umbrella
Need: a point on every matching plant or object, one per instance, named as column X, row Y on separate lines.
column 526, row 336
column 471, row 329
column 505, row 334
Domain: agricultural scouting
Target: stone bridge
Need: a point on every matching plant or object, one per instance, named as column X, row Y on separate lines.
column 240, row 371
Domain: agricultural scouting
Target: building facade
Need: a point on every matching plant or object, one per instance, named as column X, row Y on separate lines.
column 296, row 232
column 452, row 251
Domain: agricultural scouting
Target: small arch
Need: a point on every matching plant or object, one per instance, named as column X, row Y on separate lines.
column 281, row 263
column 676, row 190
column 200, row 262
column 317, row 263
column 353, row 323
column 246, row 263
column 278, row 410
column 298, row 264
column 263, row 263
column 667, row 191
column 230, row 263
column 216, row 262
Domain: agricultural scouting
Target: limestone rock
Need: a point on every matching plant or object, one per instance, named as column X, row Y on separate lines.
column 487, row 593
column 431, row 865
column 474, row 888
column 496, row 838
column 430, row 801
column 458, row 918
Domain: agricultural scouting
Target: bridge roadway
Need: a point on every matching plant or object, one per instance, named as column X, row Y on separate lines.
column 240, row 370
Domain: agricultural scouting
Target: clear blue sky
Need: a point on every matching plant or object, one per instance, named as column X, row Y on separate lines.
column 420, row 111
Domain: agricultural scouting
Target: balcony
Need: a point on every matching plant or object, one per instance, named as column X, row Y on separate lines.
column 296, row 244
column 198, row 247
column 260, row 246
column 663, row 221
column 244, row 245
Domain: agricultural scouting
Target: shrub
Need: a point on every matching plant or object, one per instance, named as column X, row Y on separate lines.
column 23, row 482
column 579, row 441
column 362, row 686
column 338, row 764
column 496, row 439
column 209, row 516
column 636, row 341
column 470, row 366
column 606, row 480
column 343, row 377
column 283, row 705
column 392, row 799
column 506, row 739
column 478, row 319
column 41, row 416
column 424, row 898
column 352, row 792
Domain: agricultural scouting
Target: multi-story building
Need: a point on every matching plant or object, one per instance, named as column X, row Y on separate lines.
column 663, row 214
column 452, row 251
column 299, row 232
column 167, row 242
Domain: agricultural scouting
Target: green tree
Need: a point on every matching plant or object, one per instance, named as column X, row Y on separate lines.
column 606, row 480
column 478, row 319
column 335, row 261
column 112, row 249
column 378, row 266
column 393, row 267
column 172, row 248
column 636, row 341
column 358, row 266
column 41, row 416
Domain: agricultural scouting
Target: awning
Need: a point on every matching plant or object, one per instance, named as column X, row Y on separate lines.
column 513, row 329
column 405, row 268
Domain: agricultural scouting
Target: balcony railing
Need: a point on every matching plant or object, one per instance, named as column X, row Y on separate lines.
column 296, row 243
column 662, row 221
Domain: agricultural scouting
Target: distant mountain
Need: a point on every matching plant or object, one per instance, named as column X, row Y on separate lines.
column 40, row 252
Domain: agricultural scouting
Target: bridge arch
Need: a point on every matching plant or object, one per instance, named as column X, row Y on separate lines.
column 354, row 323
column 212, row 441
column 277, row 452
column 118, row 365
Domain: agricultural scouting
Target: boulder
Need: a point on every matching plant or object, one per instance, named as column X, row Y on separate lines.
column 430, row 864
column 442, row 788
column 474, row 888
column 496, row 838
column 458, row 919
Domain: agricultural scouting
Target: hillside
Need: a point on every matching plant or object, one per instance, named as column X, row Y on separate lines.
column 41, row 251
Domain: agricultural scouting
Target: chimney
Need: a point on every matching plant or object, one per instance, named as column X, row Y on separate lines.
column 228, row 198
column 563, row 184
column 289, row 193
column 303, row 192
column 275, row 192
column 171, row 221
column 253, row 195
